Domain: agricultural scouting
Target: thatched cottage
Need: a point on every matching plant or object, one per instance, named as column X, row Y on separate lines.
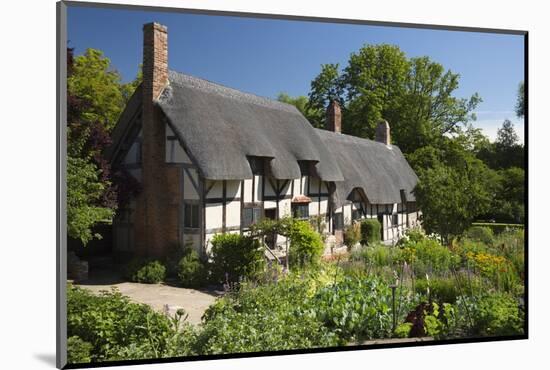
column 212, row 159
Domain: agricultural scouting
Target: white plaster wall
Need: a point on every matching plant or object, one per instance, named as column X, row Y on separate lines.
column 217, row 189
column 312, row 207
column 248, row 190
column 233, row 189
column 347, row 214
column 296, row 186
column 284, row 207
column 270, row 204
column 214, row 215
column 324, row 205
column 233, row 214
column 257, row 188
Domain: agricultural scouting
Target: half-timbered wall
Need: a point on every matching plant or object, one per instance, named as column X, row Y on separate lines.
column 220, row 203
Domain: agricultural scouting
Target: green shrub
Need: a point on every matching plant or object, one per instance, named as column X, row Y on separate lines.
column 352, row 234
column 480, row 233
column 268, row 317
column 403, row 330
column 119, row 329
column 355, row 309
column 491, row 314
column 306, row 245
column 380, row 255
column 447, row 289
column 370, row 231
column 429, row 256
column 171, row 260
column 146, row 271
column 192, row 271
column 78, row 351
column 236, row 255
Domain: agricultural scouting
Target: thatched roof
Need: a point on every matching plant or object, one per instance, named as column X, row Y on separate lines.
column 380, row 171
column 221, row 127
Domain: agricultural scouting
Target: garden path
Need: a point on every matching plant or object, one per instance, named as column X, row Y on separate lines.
column 194, row 302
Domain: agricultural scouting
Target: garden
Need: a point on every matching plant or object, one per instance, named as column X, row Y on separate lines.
column 469, row 287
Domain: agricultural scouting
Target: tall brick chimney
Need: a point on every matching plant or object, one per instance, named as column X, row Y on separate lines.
column 154, row 210
column 383, row 132
column 333, row 120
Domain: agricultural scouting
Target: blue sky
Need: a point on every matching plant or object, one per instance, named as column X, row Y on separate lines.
column 266, row 57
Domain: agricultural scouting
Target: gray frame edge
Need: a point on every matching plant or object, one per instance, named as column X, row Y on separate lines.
column 61, row 188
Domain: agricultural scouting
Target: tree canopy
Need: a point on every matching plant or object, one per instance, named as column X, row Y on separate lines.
column 96, row 97
column 415, row 95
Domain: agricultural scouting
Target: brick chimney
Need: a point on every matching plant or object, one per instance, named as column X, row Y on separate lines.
column 154, row 217
column 334, row 117
column 383, row 132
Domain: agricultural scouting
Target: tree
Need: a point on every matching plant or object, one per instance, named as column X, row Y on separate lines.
column 520, row 104
column 414, row 94
column 450, row 200
column 454, row 187
column 314, row 116
column 508, row 203
column 84, row 191
column 506, row 135
column 95, row 97
column 92, row 79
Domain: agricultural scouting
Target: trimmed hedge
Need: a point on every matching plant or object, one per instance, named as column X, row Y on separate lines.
column 236, row 255
column 498, row 227
column 370, row 231
column 482, row 234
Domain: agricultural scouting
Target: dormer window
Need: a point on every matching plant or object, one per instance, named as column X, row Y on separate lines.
column 257, row 165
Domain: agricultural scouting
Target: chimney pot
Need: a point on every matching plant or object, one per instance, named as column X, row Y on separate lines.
column 383, row 132
column 334, row 117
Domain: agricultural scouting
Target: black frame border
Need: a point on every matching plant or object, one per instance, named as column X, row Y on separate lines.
column 61, row 251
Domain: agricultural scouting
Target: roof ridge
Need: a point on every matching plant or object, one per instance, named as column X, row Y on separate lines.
column 229, row 92
column 353, row 137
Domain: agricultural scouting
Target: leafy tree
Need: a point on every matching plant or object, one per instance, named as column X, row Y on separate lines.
column 315, row 116
column 84, row 190
column 414, row 94
column 95, row 97
column 506, row 135
column 506, row 151
column 454, row 188
column 520, row 104
column 93, row 80
column 508, row 203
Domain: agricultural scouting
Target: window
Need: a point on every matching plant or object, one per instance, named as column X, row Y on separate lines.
column 191, row 215
column 338, row 221
column 251, row 215
column 256, row 165
column 355, row 214
column 300, row 210
column 305, row 168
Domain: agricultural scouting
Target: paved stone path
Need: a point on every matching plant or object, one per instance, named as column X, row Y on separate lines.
column 194, row 302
